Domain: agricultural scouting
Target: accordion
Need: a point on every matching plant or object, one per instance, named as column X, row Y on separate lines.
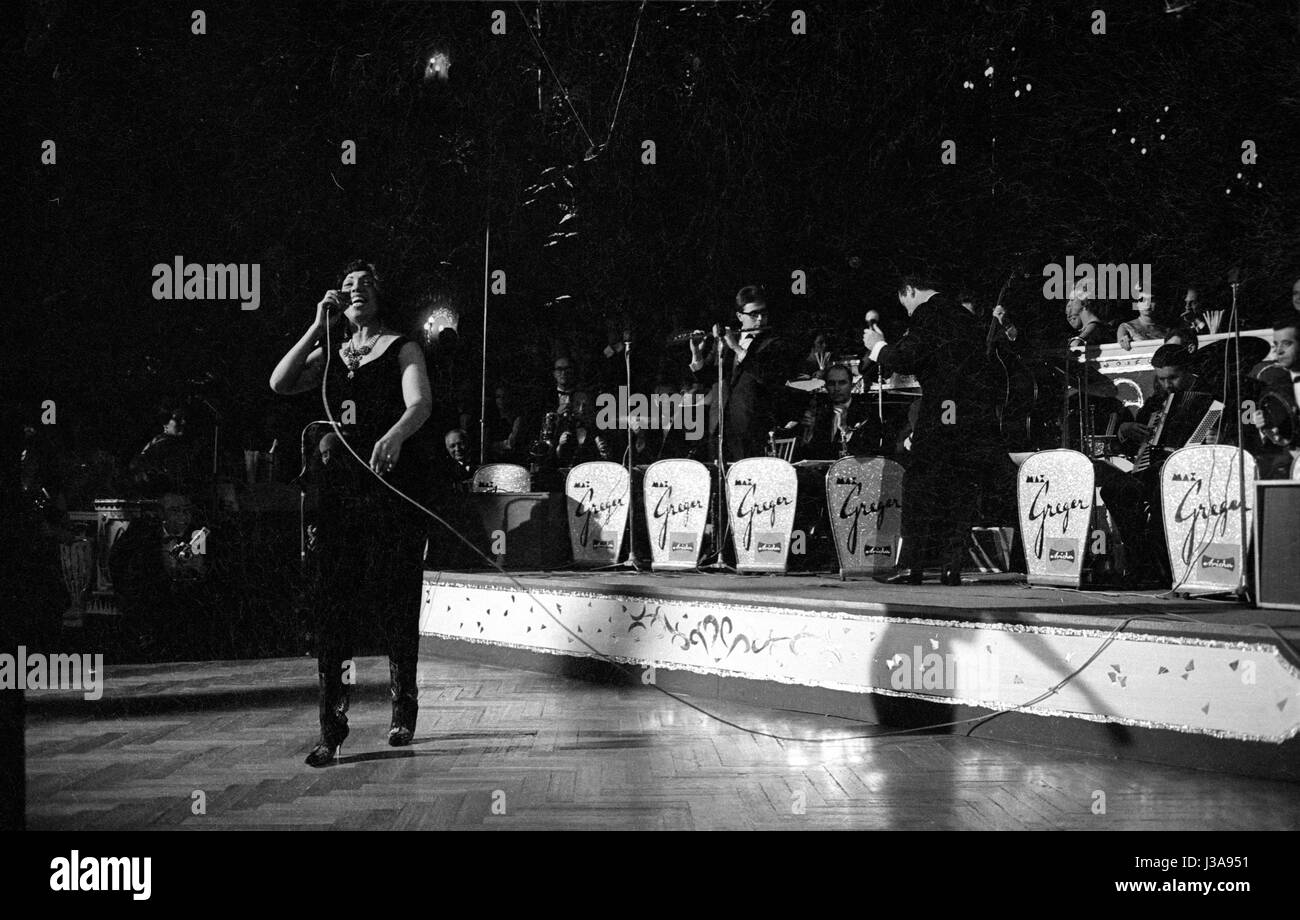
column 1185, row 419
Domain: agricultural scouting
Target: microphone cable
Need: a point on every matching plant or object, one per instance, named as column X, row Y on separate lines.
column 630, row 673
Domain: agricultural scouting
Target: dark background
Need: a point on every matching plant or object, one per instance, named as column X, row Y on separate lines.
column 776, row 152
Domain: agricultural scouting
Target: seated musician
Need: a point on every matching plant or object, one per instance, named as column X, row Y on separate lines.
column 169, row 463
column 664, row 433
column 459, row 468
column 505, row 428
column 1282, row 379
column 1134, row 498
column 579, row 440
column 819, row 358
column 836, row 424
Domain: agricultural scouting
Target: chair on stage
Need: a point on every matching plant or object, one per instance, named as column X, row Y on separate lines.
column 501, row 477
column 781, row 448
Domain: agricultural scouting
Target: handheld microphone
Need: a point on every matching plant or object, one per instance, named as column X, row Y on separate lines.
column 873, row 319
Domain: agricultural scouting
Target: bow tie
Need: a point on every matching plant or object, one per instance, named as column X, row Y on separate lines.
column 744, row 336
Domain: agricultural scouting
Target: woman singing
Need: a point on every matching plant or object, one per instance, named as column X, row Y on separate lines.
column 368, row 538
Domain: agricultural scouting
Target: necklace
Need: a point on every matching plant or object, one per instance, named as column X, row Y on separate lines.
column 352, row 354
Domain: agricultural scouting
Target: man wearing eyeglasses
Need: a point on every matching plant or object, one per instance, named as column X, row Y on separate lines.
column 756, row 363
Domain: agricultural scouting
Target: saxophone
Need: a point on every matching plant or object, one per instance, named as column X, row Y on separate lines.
column 543, row 447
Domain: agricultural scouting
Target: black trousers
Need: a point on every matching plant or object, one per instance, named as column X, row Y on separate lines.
column 1133, row 500
column 369, row 569
column 953, row 479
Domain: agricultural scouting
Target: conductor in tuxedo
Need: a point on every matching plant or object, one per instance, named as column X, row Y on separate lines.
column 958, row 461
column 756, row 363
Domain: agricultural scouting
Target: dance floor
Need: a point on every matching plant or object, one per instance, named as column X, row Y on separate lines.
column 504, row 749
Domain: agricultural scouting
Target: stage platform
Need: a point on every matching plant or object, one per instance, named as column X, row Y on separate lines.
column 1203, row 684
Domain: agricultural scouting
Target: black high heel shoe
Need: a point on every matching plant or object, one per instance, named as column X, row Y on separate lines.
column 406, row 705
column 322, row 755
column 902, row 577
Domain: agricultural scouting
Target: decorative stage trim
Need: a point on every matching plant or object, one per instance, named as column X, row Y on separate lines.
column 1239, row 690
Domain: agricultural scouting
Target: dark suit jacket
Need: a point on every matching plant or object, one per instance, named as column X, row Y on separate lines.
column 944, row 349
column 753, row 393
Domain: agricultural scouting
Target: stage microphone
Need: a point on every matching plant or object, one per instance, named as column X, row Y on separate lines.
column 873, row 319
column 1234, row 275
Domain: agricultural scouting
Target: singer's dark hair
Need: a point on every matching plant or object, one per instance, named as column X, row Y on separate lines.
column 362, row 265
column 388, row 300
column 841, row 367
column 167, row 409
column 751, row 293
column 922, row 281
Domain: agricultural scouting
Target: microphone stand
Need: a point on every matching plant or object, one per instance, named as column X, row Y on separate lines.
column 720, row 521
column 1065, row 397
column 1242, row 592
column 213, row 490
column 482, row 411
column 630, row 561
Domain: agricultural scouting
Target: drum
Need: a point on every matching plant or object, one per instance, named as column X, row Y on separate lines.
column 1278, row 420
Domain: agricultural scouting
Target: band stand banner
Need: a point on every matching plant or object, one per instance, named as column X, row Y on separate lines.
column 864, row 496
column 761, row 493
column 677, row 507
column 1200, row 500
column 1055, row 492
column 501, row 477
column 597, row 495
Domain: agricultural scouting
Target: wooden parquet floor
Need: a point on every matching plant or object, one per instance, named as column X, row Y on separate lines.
column 502, row 750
